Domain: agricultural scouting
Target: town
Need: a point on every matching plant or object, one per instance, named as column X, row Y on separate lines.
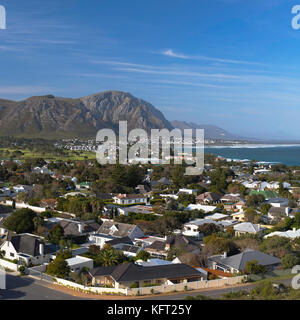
column 145, row 229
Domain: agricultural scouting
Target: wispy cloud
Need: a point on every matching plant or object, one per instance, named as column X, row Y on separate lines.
column 171, row 53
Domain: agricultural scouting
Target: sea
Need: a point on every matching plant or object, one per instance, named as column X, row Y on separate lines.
column 286, row 154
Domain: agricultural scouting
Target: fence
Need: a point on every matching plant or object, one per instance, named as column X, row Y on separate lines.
column 156, row 289
column 188, row 286
column 39, row 272
column 8, row 265
column 95, row 290
column 270, row 274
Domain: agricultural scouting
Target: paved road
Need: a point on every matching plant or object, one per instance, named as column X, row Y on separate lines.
column 26, row 288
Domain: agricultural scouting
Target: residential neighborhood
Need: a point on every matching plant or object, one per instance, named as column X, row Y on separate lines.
column 182, row 232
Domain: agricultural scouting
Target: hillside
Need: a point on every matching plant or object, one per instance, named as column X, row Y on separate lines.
column 53, row 117
column 211, row 131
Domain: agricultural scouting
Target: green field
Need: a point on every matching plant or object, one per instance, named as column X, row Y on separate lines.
column 65, row 155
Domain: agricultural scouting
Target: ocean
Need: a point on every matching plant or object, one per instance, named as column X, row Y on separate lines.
column 286, row 154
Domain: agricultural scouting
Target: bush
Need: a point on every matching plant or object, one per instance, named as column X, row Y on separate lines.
column 134, row 285
column 22, row 270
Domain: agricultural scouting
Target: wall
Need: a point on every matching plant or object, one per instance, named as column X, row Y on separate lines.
column 96, row 290
column 8, row 265
column 157, row 289
column 188, row 286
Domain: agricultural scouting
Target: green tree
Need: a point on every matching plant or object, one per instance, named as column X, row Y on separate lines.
column 142, row 255
column 58, row 267
column 289, row 260
column 20, row 221
column 277, row 246
column 252, row 267
column 56, row 234
column 209, row 228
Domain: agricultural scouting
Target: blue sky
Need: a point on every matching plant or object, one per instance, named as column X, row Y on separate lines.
column 232, row 63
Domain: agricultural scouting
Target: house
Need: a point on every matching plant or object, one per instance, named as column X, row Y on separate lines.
column 130, row 198
column 83, row 185
column 247, row 228
column 201, row 207
column 208, row 198
column 291, row 234
column 124, row 275
column 48, row 204
column 22, row 188
column 27, row 249
column 237, row 263
column 120, row 230
column 136, row 209
column 157, row 249
column 160, row 248
column 43, row 170
column 190, row 229
column 188, row 191
column 73, row 228
column 217, row 216
column 278, row 202
column 78, row 262
column 231, row 198
column 238, row 216
column 279, row 213
column 153, row 262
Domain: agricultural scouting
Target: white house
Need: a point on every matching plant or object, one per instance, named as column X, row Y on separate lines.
column 202, row 207
column 78, row 262
column 27, row 249
column 130, row 198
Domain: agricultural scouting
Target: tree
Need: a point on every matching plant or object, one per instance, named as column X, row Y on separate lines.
column 218, row 245
column 254, row 200
column 178, row 176
column 289, row 260
column 108, row 257
column 21, row 221
column 277, row 246
column 251, row 215
column 56, row 234
column 58, row 267
column 252, row 267
column 209, row 228
column 142, row 255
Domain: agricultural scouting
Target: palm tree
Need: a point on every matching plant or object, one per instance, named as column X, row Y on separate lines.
column 108, row 257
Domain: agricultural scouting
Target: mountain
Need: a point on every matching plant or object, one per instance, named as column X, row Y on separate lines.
column 210, row 131
column 53, row 117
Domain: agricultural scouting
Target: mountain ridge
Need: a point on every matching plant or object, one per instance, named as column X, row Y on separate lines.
column 52, row 117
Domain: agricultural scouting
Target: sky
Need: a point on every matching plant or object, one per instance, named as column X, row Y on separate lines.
column 230, row 63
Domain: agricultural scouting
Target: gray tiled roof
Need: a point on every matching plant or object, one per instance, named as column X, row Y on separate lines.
column 30, row 245
column 238, row 261
column 131, row 272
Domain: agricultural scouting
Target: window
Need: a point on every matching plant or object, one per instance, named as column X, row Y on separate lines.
column 12, row 255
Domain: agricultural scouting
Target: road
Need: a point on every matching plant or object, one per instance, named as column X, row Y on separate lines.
column 25, row 288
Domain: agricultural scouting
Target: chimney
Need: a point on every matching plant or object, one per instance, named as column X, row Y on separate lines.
column 225, row 255
column 294, row 229
column 80, row 228
column 287, row 210
column 41, row 249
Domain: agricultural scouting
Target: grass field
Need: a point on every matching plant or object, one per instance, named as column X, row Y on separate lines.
column 7, row 153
